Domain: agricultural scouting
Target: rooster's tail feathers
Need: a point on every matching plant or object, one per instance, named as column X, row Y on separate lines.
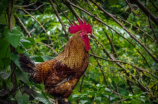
column 26, row 64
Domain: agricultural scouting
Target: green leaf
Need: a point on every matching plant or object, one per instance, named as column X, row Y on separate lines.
column 9, row 85
column 83, row 101
column 19, row 49
column 46, row 58
column 4, row 74
column 2, row 27
column 6, row 62
column 21, row 75
column 42, row 98
column 12, row 37
column 3, row 5
column 4, row 53
column 15, row 59
column 37, row 59
column 113, row 2
column 24, row 40
column 27, row 43
column 74, row 96
column 98, row 98
column 107, row 89
column 3, row 19
column 22, row 99
column 154, row 66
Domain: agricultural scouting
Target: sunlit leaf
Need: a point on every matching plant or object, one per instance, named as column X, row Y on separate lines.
column 12, row 37
column 83, row 101
column 4, row 74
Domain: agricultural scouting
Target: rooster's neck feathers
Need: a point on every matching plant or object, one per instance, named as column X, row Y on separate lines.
column 74, row 53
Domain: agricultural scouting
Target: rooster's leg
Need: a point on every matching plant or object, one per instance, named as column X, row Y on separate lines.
column 65, row 99
column 56, row 100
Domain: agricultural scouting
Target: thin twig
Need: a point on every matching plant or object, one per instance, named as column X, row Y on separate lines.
column 78, row 100
column 146, row 11
column 50, row 48
column 151, row 26
column 153, row 5
column 38, row 23
column 36, row 8
column 57, row 14
column 19, row 20
column 140, row 78
column 131, row 35
column 67, row 2
column 24, row 6
column 130, row 87
column 125, row 70
column 107, row 83
column 62, row 12
column 130, row 7
column 32, row 30
column 139, row 68
column 108, row 86
column 112, row 45
column 134, row 26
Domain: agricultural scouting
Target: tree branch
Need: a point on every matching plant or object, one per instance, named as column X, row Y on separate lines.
column 139, row 68
column 67, row 3
column 36, row 8
column 63, row 12
column 57, row 14
column 112, row 45
column 135, row 27
column 130, row 7
column 50, row 48
column 146, row 11
column 26, row 5
column 23, row 26
column 151, row 26
column 38, row 23
column 12, row 49
column 131, row 35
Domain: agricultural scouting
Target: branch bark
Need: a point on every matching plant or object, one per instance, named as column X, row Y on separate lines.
column 131, row 35
column 130, row 6
column 146, row 11
column 67, row 3
column 152, row 28
column 57, row 14
column 112, row 45
column 12, row 49
column 23, row 26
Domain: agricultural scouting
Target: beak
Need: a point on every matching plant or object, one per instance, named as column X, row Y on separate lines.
column 89, row 34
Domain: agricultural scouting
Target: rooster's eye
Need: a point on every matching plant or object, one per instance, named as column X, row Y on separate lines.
column 83, row 36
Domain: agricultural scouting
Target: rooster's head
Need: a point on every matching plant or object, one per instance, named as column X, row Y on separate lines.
column 84, row 30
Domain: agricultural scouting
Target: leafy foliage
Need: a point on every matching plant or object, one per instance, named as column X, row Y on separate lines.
column 123, row 64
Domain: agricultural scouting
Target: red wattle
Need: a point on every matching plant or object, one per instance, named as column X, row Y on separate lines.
column 87, row 43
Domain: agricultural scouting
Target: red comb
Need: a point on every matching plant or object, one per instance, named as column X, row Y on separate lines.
column 82, row 26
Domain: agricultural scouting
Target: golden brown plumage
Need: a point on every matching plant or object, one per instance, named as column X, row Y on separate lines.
column 61, row 74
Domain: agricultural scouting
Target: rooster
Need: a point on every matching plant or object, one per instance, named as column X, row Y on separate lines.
column 61, row 74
